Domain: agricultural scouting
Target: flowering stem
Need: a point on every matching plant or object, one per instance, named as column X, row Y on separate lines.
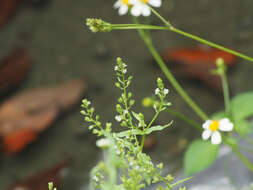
column 169, row 75
column 188, row 35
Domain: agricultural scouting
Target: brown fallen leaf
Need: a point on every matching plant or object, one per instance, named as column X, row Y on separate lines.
column 40, row 180
column 13, row 69
column 24, row 116
column 197, row 62
column 8, row 9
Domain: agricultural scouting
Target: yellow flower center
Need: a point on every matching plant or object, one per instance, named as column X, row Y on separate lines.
column 144, row 1
column 214, row 126
column 125, row 2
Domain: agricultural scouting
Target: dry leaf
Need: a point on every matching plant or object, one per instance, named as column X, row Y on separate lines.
column 24, row 116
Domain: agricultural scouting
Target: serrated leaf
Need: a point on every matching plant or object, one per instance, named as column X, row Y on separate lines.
column 242, row 105
column 199, row 156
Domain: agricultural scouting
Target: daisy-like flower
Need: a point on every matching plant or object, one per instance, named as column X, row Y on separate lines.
column 123, row 6
column 212, row 128
column 141, row 7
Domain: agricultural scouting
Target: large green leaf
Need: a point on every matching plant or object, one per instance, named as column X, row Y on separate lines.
column 199, row 156
column 242, row 105
column 243, row 127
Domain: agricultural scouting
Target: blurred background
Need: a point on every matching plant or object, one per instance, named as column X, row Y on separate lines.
column 57, row 47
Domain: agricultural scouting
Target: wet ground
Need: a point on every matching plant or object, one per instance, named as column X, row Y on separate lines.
column 63, row 48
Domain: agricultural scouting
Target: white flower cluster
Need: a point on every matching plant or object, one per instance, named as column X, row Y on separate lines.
column 136, row 7
column 117, row 68
column 165, row 91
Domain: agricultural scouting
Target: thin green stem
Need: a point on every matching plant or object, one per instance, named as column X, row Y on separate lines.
column 226, row 93
column 169, row 75
column 180, row 182
column 196, row 38
column 212, row 44
column 186, row 119
column 149, row 125
column 167, row 23
column 137, row 26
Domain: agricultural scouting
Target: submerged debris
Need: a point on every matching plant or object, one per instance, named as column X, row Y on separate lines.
column 197, row 62
column 24, row 116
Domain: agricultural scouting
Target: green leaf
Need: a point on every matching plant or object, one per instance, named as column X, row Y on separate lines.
column 157, row 128
column 243, row 127
column 199, row 156
column 140, row 132
column 242, row 105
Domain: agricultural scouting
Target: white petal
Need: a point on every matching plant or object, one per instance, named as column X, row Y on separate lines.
column 206, row 134
column 224, row 121
column 226, row 126
column 117, row 4
column 207, row 124
column 216, row 138
column 136, row 10
column 146, row 10
column 155, row 3
column 123, row 10
column 133, row 2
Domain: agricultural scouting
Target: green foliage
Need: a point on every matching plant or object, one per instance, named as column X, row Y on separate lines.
column 125, row 166
column 140, row 132
column 199, row 156
column 242, row 105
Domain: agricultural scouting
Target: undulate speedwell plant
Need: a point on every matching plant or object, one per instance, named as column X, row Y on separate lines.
column 125, row 166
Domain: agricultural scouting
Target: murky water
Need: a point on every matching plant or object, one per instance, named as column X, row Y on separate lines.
column 62, row 48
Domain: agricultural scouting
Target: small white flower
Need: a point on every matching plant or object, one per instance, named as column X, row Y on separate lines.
column 157, row 90
column 141, row 7
column 103, row 143
column 122, row 5
column 124, row 71
column 212, row 127
column 125, row 112
column 118, row 118
column 88, row 103
column 116, row 68
column 166, row 91
column 124, row 65
column 95, row 178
